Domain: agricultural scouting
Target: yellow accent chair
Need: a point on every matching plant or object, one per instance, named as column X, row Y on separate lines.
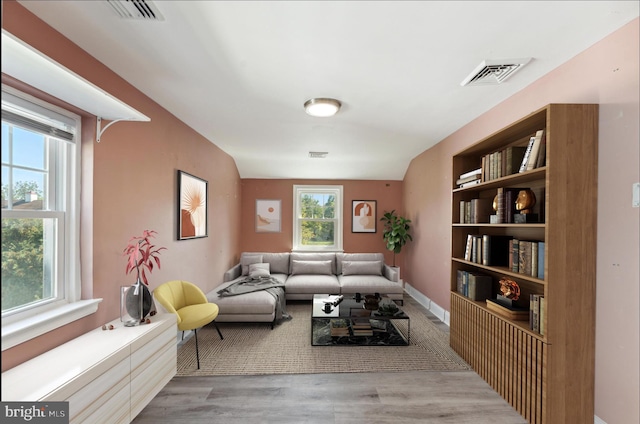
column 191, row 306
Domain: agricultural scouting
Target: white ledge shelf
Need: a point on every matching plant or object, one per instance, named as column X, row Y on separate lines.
column 24, row 63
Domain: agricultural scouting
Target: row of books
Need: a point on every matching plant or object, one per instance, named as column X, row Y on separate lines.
column 475, row 211
column 527, row 257
column 536, row 313
column 487, row 250
column 515, row 159
column 474, row 285
column 356, row 327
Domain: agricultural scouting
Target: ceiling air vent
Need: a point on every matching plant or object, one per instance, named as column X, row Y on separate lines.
column 491, row 72
column 318, row 155
column 136, row 9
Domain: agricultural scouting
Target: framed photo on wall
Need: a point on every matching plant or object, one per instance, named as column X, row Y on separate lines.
column 363, row 216
column 268, row 216
column 192, row 206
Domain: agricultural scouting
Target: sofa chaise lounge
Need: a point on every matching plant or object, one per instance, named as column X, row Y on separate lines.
column 303, row 274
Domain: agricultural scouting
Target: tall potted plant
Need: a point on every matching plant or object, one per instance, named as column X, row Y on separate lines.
column 395, row 232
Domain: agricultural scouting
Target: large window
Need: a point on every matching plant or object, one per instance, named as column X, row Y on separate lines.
column 318, row 218
column 40, row 216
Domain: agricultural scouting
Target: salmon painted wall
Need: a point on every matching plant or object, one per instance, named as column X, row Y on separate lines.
column 607, row 74
column 129, row 185
column 387, row 194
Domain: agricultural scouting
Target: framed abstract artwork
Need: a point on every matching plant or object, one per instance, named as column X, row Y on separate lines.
column 268, row 216
column 363, row 216
column 192, row 206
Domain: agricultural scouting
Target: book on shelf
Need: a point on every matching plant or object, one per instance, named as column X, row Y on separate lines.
column 541, row 260
column 536, row 308
column 468, row 247
column 542, row 312
column 460, row 181
column 481, row 209
column 524, row 257
column 339, row 327
column 513, row 313
column 534, row 259
column 527, row 153
column 513, row 159
column 475, row 173
column 495, row 250
column 542, row 154
column 479, row 286
column 535, row 150
column 470, row 183
column 514, row 256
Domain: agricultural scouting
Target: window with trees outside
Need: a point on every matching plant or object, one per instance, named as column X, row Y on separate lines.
column 317, row 217
column 40, row 215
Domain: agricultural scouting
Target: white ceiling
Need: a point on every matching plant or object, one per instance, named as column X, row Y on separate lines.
column 238, row 72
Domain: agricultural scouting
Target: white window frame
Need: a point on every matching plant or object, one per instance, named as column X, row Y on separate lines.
column 335, row 190
column 26, row 323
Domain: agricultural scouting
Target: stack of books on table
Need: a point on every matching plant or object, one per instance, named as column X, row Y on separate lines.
column 469, row 178
column 361, row 327
column 339, row 328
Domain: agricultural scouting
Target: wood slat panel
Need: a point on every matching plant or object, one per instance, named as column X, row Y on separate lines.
column 508, row 358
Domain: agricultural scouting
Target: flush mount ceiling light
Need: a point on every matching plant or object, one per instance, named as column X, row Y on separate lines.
column 322, row 107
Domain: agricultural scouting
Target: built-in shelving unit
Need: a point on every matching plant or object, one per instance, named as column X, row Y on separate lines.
column 549, row 377
column 26, row 64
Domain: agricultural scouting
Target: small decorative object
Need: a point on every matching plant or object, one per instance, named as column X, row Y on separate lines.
column 363, row 218
column 493, row 219
column 327, row 307
column 371, row 301
column 388, row 309
column 192, row 205
column 509, row 292
column 135, row 300
column 524, row 203
column 268, row 216
column 396, row 232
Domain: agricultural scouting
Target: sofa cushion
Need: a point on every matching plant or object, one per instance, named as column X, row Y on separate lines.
column 311, row 284
column 362, row 268
column 247, row 260
column 310, row 267
column 341, row 257
column 259, row 270
column 278, row 262
column 316, row 256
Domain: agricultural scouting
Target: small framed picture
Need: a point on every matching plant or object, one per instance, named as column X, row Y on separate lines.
column 363, row 216
column 268, row 216
column 192, row 206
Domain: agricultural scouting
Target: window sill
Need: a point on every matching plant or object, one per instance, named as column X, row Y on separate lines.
column 27, row 329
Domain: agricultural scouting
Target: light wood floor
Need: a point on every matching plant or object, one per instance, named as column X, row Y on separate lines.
column 345, row 398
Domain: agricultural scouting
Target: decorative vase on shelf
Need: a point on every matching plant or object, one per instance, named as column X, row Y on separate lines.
column 135, row 304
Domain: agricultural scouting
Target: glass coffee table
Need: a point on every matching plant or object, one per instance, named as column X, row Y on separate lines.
column 353, row 321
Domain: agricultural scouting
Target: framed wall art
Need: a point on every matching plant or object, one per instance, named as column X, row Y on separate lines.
column 363, row 216
column 268, row 215
column 192, row 206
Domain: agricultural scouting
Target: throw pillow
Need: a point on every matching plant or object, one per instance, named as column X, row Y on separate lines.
column 247, row 260
column 259, row 270
column 361, row 268
column 310, row 267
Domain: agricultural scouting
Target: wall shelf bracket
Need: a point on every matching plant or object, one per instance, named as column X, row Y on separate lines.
column 99, row 131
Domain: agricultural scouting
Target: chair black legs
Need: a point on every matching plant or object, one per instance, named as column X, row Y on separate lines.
column 219, row 333
column 195, row 331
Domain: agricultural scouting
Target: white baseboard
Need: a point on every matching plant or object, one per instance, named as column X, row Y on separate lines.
column 598, row 420
column 433, row 307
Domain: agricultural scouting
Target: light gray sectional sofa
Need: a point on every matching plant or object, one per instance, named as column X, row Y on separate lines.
column 304, row 274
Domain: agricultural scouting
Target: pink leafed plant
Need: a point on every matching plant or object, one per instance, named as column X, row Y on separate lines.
column 142, row 255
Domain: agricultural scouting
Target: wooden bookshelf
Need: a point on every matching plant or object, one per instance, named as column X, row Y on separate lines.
column 547, row 378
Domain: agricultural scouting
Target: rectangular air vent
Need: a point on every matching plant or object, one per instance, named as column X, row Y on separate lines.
column 136, row 9
column 494, row 71
column 318, row 155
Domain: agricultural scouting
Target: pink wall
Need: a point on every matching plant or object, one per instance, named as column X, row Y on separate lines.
column 607, row 73
column 388, row 195
column 133, row 187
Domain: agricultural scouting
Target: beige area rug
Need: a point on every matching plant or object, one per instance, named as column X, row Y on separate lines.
column 254, row 349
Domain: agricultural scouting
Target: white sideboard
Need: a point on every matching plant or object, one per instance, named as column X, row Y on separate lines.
column 107, row 376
